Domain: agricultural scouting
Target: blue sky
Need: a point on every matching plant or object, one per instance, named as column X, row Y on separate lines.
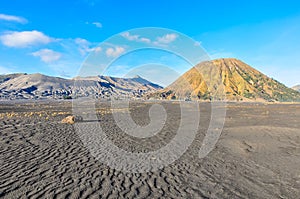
column 56, row 37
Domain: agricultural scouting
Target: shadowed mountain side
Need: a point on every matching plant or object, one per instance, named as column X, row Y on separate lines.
column 4, row 78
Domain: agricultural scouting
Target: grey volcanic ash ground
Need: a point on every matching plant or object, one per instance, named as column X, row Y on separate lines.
column 257, row 155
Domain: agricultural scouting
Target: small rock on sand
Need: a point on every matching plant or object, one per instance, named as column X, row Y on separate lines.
column 68, row 120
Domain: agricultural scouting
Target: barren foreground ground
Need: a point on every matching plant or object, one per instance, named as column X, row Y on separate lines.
column 257, row 155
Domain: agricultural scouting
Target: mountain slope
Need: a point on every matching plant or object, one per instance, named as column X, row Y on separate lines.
column 4, row 78
column 297, row 88
column 228, row 78
column 23, row 86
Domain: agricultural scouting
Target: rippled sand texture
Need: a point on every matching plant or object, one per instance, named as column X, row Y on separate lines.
column 257, row 156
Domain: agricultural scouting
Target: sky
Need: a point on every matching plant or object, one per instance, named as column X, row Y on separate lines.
column 120, row 38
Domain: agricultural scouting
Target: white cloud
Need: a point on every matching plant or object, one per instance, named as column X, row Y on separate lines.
column 146, row 40
column 166, row 39
column 13, row 18
column 82, row 42
column 137, row 38
column 97, row 24
column 47, row 55
column 84, row 46
column 24, row 39
column 160, row 41
column 97, row 49
column 115, row 52
column 130, row 37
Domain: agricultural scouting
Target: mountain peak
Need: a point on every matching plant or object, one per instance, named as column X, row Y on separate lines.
column 226, row 59
column 232, row 78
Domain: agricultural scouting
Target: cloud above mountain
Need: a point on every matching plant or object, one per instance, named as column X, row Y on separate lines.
column 137, row 38
column 162, row 40
column 97, row 24
column 47, row 55
column 12, row 18
column 115, row 52
column 24, row 39
column 84, row 46
column 166, row 39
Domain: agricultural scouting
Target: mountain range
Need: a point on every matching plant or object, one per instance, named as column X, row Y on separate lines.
column 38, row 86
column 219, row 79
